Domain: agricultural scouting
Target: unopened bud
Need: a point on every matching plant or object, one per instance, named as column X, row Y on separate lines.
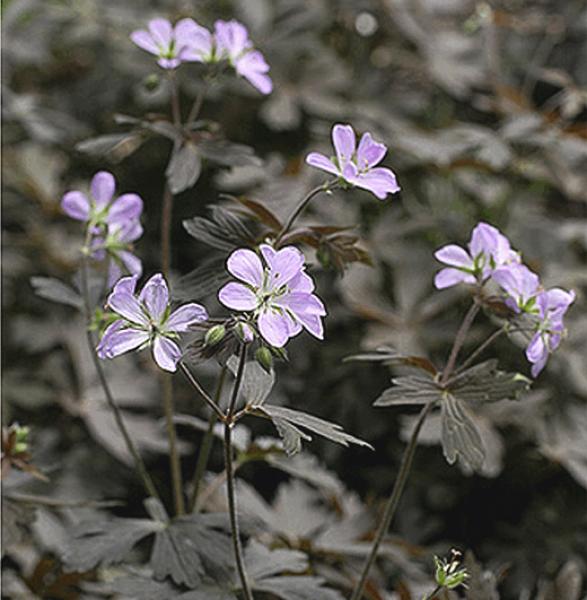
column 214, row 335
column 151, row 82
column 323, row 255
column 21, row 438
column 264, row 358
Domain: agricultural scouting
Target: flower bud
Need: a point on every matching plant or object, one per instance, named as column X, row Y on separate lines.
column 264, row 358
column 214, row 335
column 323, row 256
column 20, row 438
column 151, row 82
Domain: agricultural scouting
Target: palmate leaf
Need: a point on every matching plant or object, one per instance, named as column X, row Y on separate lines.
column 256, row 384
column 411, row 389
column 288, row 423
column 223, row 231
column 206, row 279
column 229, row 154
column 388, row 355
column 186, row 549
column 460, row 438
column 485, row 383
column 52, row 289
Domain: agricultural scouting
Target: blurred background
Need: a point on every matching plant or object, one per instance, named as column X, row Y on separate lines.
column 484, row 108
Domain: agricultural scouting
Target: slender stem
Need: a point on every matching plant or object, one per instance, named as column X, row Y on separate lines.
column 174, row 462
column 297, row 211
column 175, row 107
column 230, row 491
column 166, row 218
column 206, row 446
column 460, row 340
column 394, row 499
column 481, row 348
column 130, row 446
column 198, row 102
column 435, row 591
column 212, row 403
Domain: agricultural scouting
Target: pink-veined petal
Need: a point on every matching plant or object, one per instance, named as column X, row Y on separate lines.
column 132, row 263
column 315, row 159
column 127, row 306
column 344, row 141
column 253, row 67
column 115, row 343
column 237, row 296
column 301, row 303
column 162, row 32
column 76, row 206
column 302, row 282
column 455, row 256
column 449, row 277
column 312, row 324
column 380, row 181
column 274, row 328
column 186, row 315
column 127, row 207
column 143, row 39
column 126, row 285
column 246, row 265
column 284, row 265
column 155, row 296
column 103, row 186
column 370, row 152
column 166, row 353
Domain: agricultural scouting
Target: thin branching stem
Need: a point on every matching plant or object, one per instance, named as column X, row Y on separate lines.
column 198, row 102
column 393, row 501
column 211, row 402
column 460, row 340
column 230, row 491
column 206, row 445
column 297, row 211
column 407, row 458
column 175, row 106
column 482, row 347
column 433, row 593
column 130, row 445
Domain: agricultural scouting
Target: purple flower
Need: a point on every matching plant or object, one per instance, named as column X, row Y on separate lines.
column 145, row 320
column 100, row 208
column 551, row 306
column 186, row 42
column 521, row 286
column 488, row 250
column 233, row 44
column 357, row 166
column 277, row 290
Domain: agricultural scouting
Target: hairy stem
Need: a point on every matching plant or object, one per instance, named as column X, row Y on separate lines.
column 198, row 102
column 211, row 402
column 433, row 593
column 206, row 446
column 230, row 491
column 174, row 462
column 481, row 348
column 393, row 501
column 130, row 446
column 460, row 340
column 297, row 211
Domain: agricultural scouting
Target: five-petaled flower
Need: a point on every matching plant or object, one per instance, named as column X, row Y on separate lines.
column 186, row 42
column 146, row 321
column 233, row 44
column 551, row 306
column 488, row 250
column 101, row 207
column 277, row 290
column 521, row 286
column 357, row 166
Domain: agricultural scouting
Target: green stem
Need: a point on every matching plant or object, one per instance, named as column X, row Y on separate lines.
column 206, row 446
column 166, row 218
column 230, row 491
column 198, row 102
column 481, row 348
column 435, row 591
column 297, row 211
column 213, row 404
column 130, row 446
column 393, row 501
column 175, row 107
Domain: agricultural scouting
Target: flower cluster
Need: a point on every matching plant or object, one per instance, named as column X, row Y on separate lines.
column 276, row 290
column 357, row 166
column 145, row 320
column 190, row 42
column 113, row 223
column 491, row 257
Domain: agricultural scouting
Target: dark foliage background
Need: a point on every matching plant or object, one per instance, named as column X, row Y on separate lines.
column 484, row 108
